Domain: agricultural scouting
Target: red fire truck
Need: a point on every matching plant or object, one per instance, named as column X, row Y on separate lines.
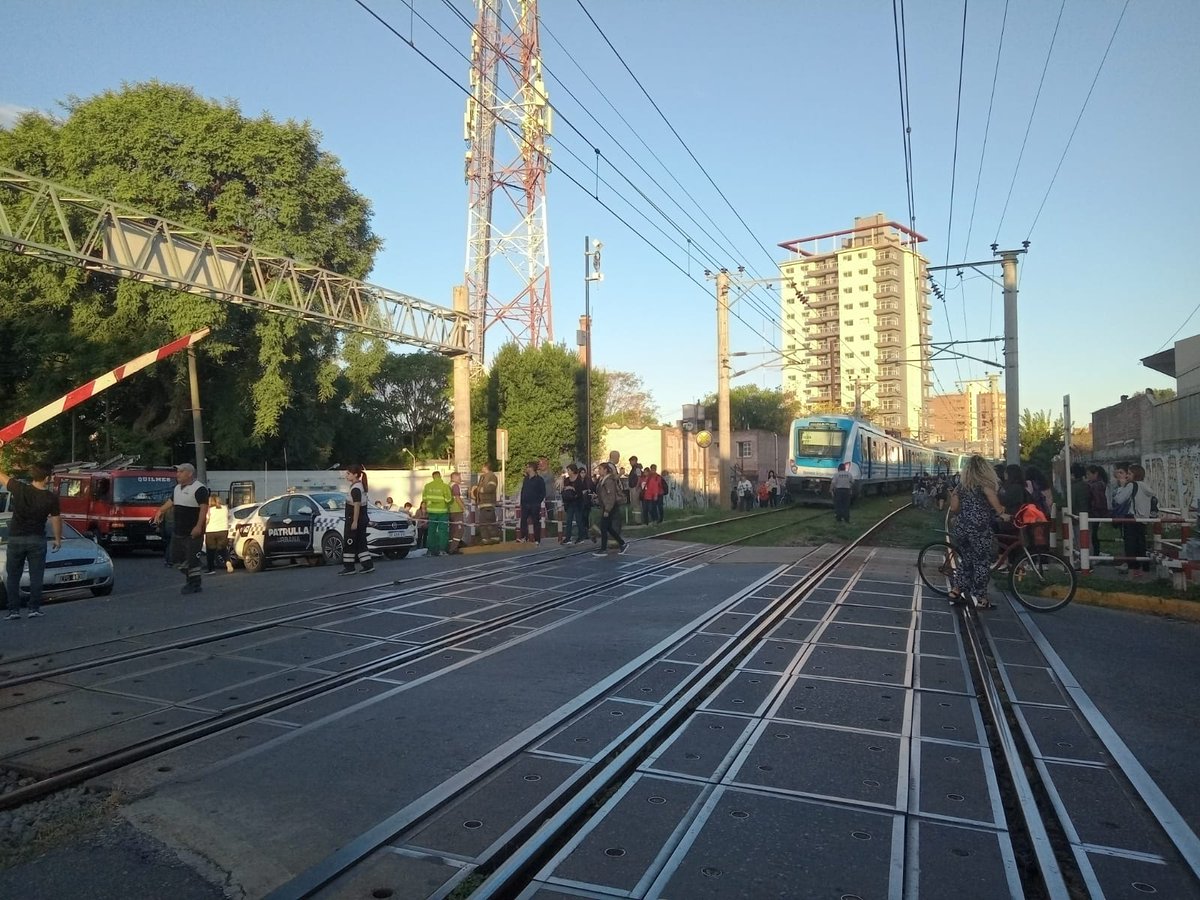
column 115, row 506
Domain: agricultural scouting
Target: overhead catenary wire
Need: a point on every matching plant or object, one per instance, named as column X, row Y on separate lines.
column 986, row 129
column 962, row 55
column 712, row 257
column 1078, row 119
column 1029, row 125
column 579, row 184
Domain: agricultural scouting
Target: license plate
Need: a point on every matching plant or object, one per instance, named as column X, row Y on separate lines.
column 117, row 538
column 153, row 537
column 68, row 577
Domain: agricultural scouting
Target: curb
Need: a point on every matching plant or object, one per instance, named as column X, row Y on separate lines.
column 1161, row 606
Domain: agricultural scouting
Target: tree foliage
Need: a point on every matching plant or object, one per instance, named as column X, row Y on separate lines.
column 410, row 404
column 270, row 384
column 536, row 394
column 1041, row 438
column 755, row 408
column 628, row 403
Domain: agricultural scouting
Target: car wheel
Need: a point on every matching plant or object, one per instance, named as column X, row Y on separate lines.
column 252, row 557
column 331, row 548
column 102, row 591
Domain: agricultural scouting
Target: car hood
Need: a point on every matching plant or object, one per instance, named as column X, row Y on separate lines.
column 72, row 548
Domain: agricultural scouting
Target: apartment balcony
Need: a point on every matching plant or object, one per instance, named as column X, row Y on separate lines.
column 823, row 317
column 893, row 275
column 887, row 340
column 821, row 381
column 820, row 364
column 823, row 298
column 882, row 378
column 887, row 295
column 881, row 328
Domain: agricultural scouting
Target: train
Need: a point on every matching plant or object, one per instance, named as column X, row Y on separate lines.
column 880, row 462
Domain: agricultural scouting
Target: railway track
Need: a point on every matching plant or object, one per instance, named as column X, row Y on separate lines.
column 457, row 633
column 688, row 795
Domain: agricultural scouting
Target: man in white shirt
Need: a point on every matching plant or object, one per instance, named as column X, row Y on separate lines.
column 842, row 485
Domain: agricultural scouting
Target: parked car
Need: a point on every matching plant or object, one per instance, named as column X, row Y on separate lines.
column 79, row 564
column 308, row 527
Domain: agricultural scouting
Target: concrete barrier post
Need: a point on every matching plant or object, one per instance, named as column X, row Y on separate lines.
column 1085, row 544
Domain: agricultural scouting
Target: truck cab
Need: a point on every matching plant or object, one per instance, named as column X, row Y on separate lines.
column 115, row 507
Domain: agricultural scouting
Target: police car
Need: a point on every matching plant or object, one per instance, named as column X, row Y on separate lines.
column 308, row 527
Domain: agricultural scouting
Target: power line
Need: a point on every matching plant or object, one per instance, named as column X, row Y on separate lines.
column 986, row 128
column 679, row 137
column 1029, row 124
column 412, row 45
column 753, row 300
column 1195, row 309
column 1078, row 119
column 962, row 54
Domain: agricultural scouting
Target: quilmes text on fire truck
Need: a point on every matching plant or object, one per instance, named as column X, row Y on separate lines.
column 114, row 504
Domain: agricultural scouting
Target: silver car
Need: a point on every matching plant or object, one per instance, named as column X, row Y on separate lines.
column 79, row 564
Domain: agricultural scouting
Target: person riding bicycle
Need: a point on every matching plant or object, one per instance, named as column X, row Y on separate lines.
column 976, row 502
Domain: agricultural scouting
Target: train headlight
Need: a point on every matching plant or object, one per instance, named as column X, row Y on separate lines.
column 795, row 468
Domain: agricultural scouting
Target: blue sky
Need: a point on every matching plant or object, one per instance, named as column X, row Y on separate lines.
column 793, row 109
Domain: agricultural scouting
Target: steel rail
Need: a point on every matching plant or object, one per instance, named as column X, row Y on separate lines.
column 235, row 716
column 653, row 732
column 512, row 564
column 1048, row 865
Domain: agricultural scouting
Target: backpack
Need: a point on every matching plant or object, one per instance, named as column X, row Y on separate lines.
column 1154, row 505
column 1124, row 509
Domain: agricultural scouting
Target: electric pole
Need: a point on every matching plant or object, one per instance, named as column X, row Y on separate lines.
column 462, row 394
column 724, row 430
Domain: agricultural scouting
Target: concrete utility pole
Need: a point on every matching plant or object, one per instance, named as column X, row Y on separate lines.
column 197, row 424
column 1012, row 387
column 994, row 384
column 1012, row 381
column 724, row 431
column 462, row 395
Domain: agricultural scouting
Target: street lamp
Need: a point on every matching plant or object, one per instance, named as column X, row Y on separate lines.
column 591, row 272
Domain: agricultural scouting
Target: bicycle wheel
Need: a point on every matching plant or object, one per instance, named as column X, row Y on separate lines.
column 936, row 564
column 1042, row 582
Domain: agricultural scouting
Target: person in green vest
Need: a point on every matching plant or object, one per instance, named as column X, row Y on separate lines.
column 437, row 498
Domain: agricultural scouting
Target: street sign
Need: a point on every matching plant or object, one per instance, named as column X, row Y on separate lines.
column 703, row 438
column 502, row 444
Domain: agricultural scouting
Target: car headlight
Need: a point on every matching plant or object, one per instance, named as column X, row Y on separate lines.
column 102, row 556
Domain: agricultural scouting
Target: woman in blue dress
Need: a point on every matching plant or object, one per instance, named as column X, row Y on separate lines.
column 976, row 504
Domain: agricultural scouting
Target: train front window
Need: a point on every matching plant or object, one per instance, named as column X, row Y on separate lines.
column 820, row 443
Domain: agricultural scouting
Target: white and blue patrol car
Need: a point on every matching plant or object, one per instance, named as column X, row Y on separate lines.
column 308, row 527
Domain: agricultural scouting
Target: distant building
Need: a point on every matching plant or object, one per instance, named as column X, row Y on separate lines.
column 855, row 313
column 972, row 419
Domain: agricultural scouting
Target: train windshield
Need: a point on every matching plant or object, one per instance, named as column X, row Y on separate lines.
column 820, row 443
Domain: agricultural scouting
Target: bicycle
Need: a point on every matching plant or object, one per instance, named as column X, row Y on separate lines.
column 1040, row 580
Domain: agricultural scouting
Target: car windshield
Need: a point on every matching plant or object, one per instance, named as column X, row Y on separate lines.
column 147, row 489
column 333, row 501
column 820, row 443
column 68, row 532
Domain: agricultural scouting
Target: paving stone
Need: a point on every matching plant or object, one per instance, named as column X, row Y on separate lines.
column 702, row 748
column 946, row 860
column 851, row 704
column 859, row 665
column 745, row 692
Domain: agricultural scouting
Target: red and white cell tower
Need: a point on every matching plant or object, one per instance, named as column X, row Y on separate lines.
column 506, row 203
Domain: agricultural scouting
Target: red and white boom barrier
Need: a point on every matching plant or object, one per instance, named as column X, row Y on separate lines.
column 96, row 385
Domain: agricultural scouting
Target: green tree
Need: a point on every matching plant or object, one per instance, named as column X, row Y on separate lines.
column 755, row 408
column 1041, row 438
column 410, row 403
column 628, row 403
column 537, row 394
column 269, row 383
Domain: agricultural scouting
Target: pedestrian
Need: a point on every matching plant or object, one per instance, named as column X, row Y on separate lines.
column 189, row 503
column 976, row 503
column 746, row 493
column 456, row 512
column 485, row 493
column 589, row 481
column 216, row 532
column 32, row 505
column 611, row 496
column 389, row 503
column 1132, row 500
column 650, row 490
column 662, row 498
column 773, row 488
column 1040, row 494
column 422, row 520
column 1097, row 502
column 167, row 528
column 354, row 530
column 572, row 499
column 764, row 495
column 436, row 498
column 533, row 495
column 842, row 486
column 547, row 476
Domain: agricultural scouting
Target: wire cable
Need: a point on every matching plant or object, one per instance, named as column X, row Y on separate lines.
column 962, row 55
column 1029, row 124
column 986, row 128
column 1078, row 119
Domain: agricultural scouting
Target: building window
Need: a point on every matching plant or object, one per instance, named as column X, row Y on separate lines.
column 865, row 304
column 849, row 321
column 847, row 290
column 744, row 449
column 862, row 256
column 864, row 287
column 862, row 271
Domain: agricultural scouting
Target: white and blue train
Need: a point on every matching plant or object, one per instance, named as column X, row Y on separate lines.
column 880, row 462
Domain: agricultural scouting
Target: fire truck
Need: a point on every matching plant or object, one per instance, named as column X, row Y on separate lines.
column 115, row 504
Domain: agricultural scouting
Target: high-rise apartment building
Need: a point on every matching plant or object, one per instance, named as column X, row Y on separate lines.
column 856, row 322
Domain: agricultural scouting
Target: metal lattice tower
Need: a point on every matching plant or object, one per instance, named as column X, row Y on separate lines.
column 506, row 203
